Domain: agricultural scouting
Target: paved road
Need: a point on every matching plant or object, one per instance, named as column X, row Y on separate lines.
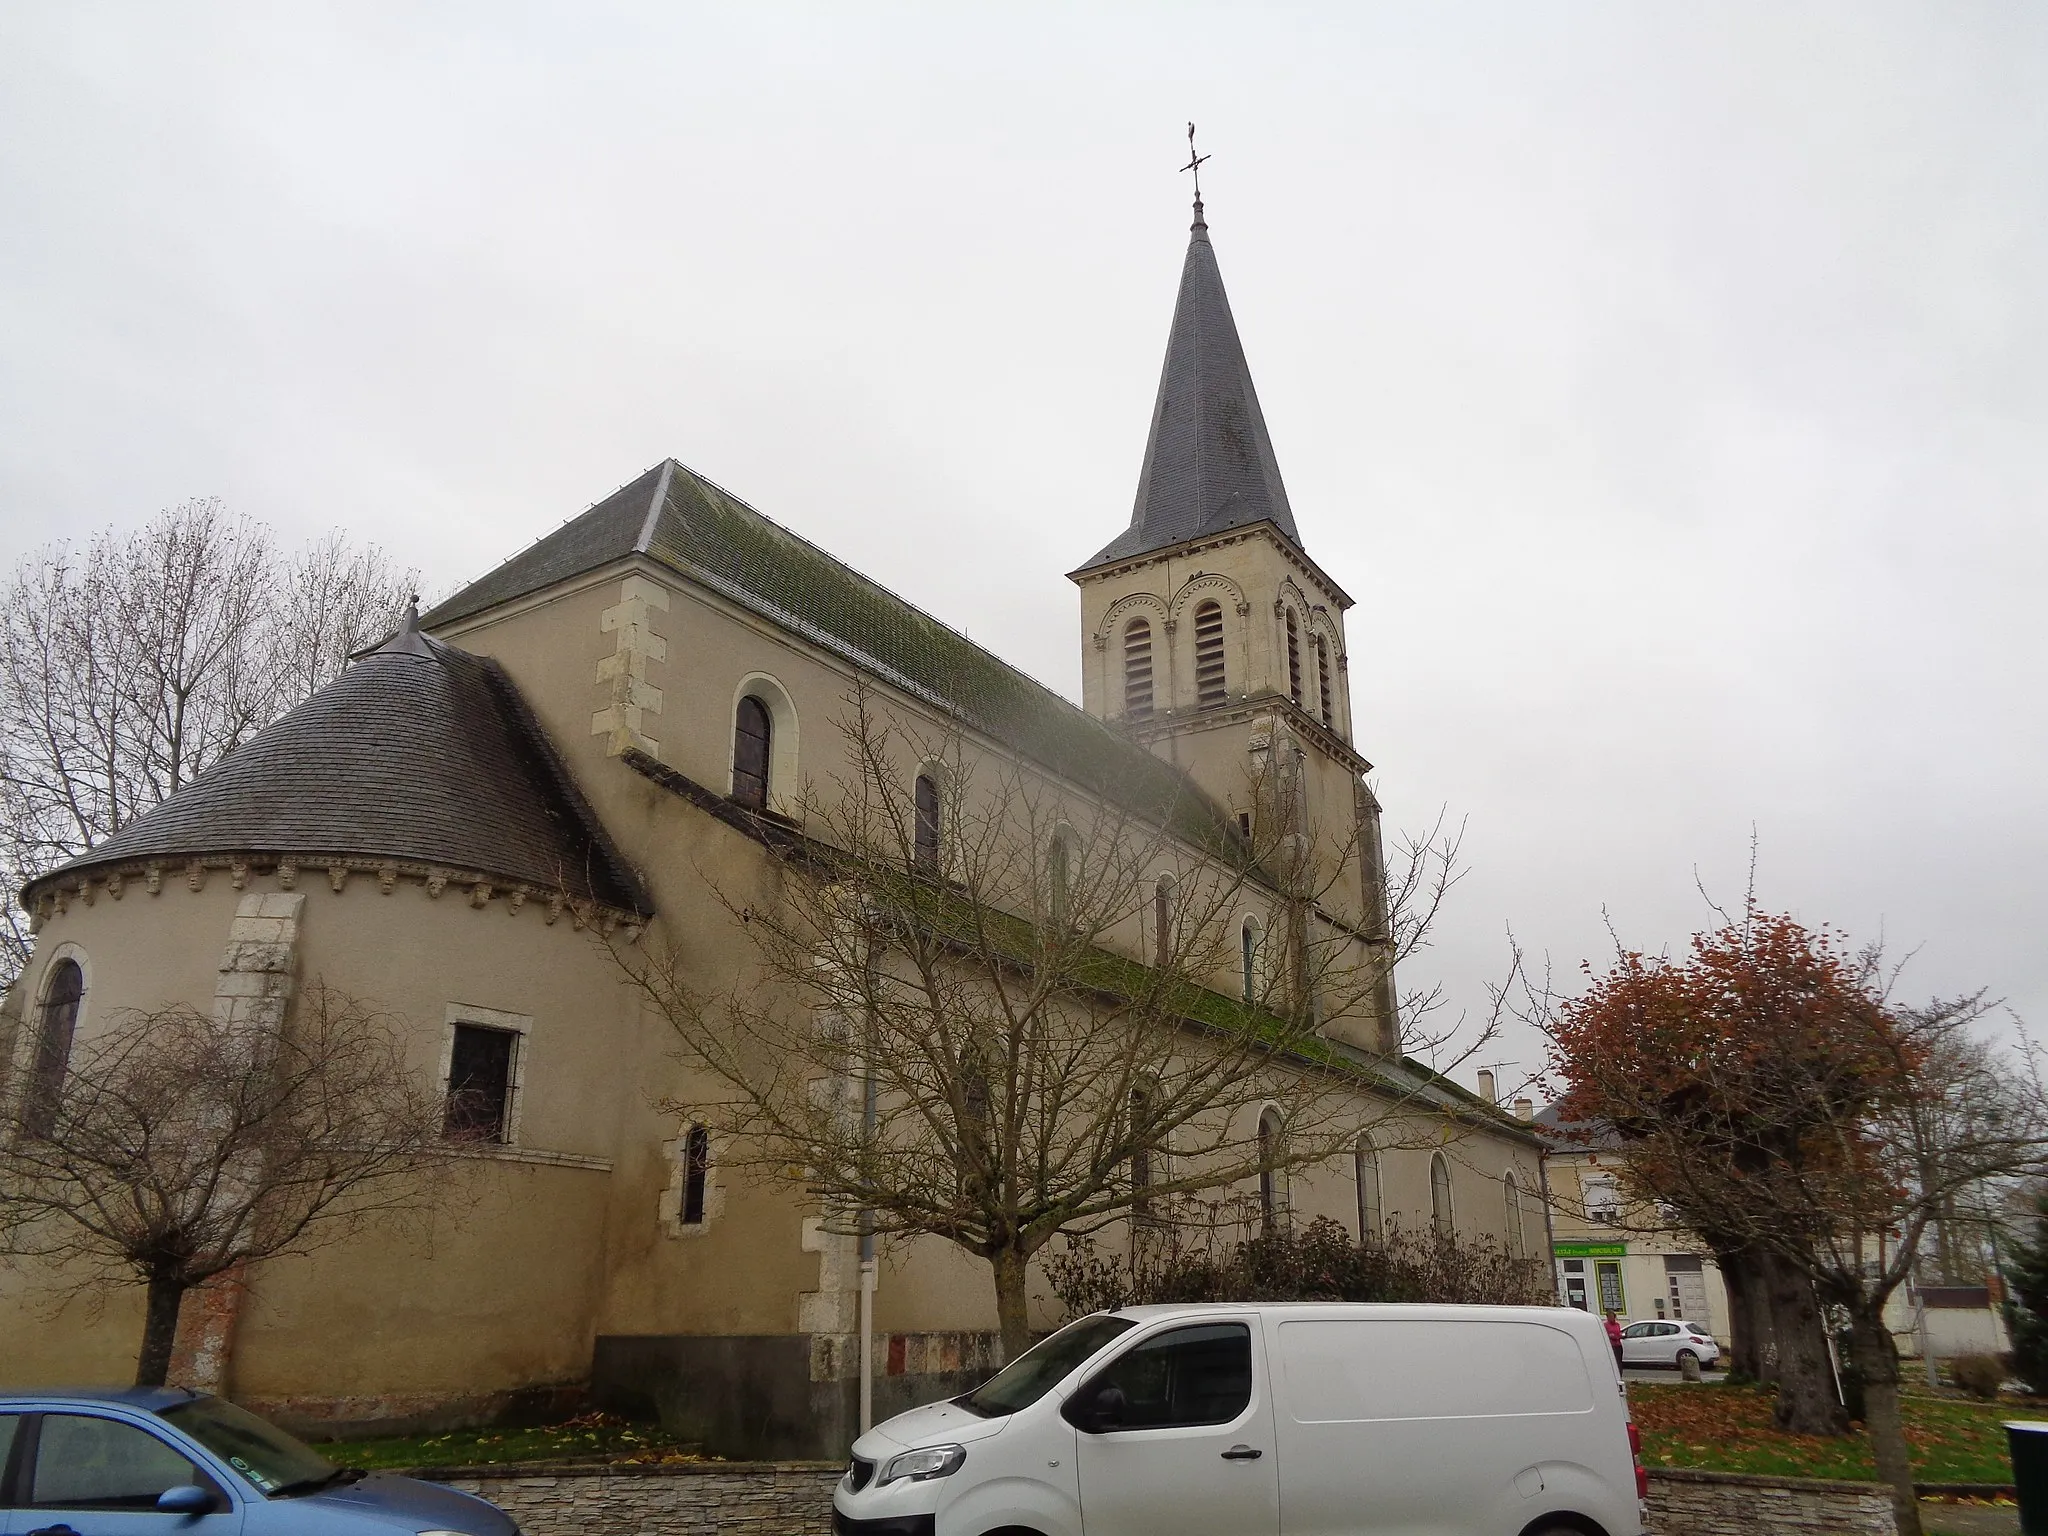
column 1969, row 1519
column 1645, row 1373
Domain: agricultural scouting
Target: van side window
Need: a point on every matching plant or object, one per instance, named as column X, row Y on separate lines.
column 1200, row 1375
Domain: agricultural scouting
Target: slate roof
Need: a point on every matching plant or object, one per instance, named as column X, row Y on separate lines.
column 679, row 519
column 419, row 752
column 1574, row 1135
column 1209, row 463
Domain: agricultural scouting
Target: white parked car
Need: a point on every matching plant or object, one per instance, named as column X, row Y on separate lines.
column 1667, row 1343
column 1284, row 1420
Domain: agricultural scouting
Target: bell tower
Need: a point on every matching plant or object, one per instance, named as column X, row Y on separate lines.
column 1210, row 635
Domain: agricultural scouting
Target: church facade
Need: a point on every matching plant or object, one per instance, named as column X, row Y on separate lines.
column 604, row 737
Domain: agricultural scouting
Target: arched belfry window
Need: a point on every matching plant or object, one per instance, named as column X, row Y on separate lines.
column 751, row 732
column 1138, row 670
column 1328, row 715
column 1211, row 687
column 1440, row 1214
column 1293, row 658
column 925, row 824
column 62, row 993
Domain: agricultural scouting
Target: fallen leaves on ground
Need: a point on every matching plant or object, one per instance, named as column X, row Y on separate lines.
column 1728, row 1429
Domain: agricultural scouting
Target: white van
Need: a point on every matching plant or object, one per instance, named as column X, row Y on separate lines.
column 1304, row 1419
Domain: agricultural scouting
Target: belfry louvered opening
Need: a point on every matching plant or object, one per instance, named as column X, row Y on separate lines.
column 1138, row 670
column 1328, row 715
column 1293, row 658
column 1210, row 687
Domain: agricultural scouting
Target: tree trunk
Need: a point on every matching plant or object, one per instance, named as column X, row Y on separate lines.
column 1012, row 1307
column 1748, row 1321
column 1808, row 1403
column 1877, row 1357
column 159, row 1329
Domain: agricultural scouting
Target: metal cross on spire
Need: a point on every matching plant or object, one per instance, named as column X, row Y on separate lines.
column 1195, row 164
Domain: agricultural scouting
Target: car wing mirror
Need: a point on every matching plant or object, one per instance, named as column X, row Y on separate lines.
column 186, row 1499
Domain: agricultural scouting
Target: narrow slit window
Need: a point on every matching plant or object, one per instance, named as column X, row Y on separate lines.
column 1059, row 879
column 479, row 1085
column 1328, row 712
column 751, row 731
column 1162, row 922
column 1269, row 1175
column 1371, row 1219
column 1211, row 687
column 1138, row 670
column 1293, row 658
column 696, row 1172
column 926, row 829
column 61, row 999
column 1440, row 1214
column 1248, row 946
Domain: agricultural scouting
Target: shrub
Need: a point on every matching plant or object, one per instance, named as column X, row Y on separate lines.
column 1979, row 1375
column 1189, row 1255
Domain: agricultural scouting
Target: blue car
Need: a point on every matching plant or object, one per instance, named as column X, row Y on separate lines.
column 162, row 1461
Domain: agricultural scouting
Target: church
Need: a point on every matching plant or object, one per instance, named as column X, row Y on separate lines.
column 590, row 739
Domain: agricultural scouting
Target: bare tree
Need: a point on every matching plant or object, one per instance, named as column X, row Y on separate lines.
column 180, row 1146
column 944, row 1026
column 130, row 668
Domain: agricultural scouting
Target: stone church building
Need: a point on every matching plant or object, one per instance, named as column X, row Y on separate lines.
column 592, row 737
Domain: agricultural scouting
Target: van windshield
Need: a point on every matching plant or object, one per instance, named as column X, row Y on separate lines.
column 1042, row 1367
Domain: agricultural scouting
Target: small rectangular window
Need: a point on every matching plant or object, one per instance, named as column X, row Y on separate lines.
column 696, row 1170
column 479, row 1084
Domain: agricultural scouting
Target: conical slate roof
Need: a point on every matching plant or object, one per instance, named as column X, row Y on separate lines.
column 419, row 753
column 1209, row 463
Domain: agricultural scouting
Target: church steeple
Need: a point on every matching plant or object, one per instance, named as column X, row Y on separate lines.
column 1209, row 462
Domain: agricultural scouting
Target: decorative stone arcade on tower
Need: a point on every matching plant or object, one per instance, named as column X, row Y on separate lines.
column 1212, row 637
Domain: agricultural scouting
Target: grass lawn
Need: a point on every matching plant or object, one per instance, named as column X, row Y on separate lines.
column 1728, row 1429
column 591, row 1437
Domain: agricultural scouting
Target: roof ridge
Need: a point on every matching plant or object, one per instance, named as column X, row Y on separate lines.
column 654, row 505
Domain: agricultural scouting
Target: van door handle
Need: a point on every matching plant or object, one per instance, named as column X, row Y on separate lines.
column 1242, row 1453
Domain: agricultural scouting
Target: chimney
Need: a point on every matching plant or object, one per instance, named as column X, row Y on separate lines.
column 1486, row 1085
column 1525, row 1109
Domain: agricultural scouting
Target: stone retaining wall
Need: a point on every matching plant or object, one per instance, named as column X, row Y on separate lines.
column 1726, row 1504
column 795, row 1499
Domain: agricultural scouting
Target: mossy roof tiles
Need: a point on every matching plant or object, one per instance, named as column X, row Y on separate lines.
column 679, row 519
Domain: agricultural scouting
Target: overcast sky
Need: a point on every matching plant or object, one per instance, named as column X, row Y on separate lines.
column 1666, row 382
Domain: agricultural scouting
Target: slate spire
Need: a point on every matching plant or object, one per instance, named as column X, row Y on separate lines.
column 1209, row 463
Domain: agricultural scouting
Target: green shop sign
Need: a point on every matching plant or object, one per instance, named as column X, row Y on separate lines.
column 1591, row 1250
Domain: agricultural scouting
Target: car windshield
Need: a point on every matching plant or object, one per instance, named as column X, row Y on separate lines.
column 1043, row 1366
column 261, row 1452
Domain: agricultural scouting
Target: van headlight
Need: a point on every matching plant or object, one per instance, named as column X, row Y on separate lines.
column 923, row 1466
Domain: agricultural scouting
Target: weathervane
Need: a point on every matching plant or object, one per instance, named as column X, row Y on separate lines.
column 1195, row 164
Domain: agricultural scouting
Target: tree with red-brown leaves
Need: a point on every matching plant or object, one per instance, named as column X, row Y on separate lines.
column 1772, row 1094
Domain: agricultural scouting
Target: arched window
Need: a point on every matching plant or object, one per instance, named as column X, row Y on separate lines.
column 1270, row 1151
column 696, row 1174
column 1441, row 1216
column 1141, row 1153
column 1059, row 878
column 1329, row 714
column 1371, row 1214
column 1162, row 920
column 750, row 742
column 1293, row 658
column 1248, row 946
column 1211, row 687
column 925, row 830
column 62, row 992
column 1138, row 670
column 1514, row 1194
